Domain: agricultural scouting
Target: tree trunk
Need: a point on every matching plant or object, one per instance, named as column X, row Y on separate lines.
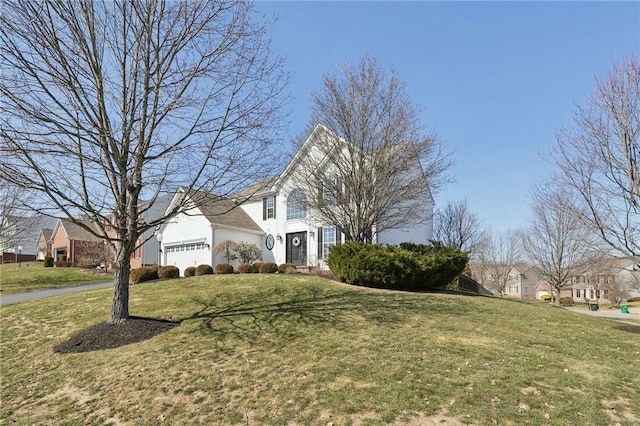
column 120, row 305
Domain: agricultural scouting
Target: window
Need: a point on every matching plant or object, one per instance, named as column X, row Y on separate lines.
column 269, row 207
column 327, row 237
column 512, row 289
column 296, row 205
column 326, row 194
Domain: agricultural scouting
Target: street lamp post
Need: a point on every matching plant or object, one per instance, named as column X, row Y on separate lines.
column 19, row 256
column 159, row 238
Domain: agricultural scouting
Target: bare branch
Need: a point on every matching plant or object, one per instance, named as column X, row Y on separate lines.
column 372, row 168
column 109, row 105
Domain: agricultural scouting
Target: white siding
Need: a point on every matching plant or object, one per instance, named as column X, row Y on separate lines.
column 237, row 235
column 419, row 234
column 186, row 229
column 270, row 226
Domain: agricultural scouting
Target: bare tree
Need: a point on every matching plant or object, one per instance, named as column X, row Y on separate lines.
column 372, row 167
column 599, row 158
column 556, row 241
column 248, row 252
column 12, row 210
column 109, row 103
column 456, row 226
column 497, row 256
column 228, row 248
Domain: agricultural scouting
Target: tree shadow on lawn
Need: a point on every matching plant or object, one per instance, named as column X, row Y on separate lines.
column 256, row 318
column 253, row 319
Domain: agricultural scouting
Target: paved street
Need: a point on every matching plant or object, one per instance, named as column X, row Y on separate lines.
column 33, row 295
column 634, row 313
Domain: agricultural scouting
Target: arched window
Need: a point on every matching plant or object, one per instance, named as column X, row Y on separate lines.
column 296, row 205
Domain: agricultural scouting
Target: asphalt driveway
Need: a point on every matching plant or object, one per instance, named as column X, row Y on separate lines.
column 34, row 295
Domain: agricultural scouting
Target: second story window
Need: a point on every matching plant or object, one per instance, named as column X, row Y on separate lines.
column 269, row 207
column 296, row 205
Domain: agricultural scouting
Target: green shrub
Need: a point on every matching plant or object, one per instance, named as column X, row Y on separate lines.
column 567, row 301
column 268, row 268
column 48, row 261
column 371, row 265
column 204, row 270
column 224, row 268
column 255, row 268
column 287, row 268
column 146, row 273
column 168, row 271
column 245, row 268
column 189, row 271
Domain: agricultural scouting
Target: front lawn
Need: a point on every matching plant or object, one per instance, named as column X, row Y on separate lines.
column 32, row 276
column 263, row 349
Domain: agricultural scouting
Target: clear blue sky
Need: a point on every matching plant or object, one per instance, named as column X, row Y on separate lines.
column 496, row 80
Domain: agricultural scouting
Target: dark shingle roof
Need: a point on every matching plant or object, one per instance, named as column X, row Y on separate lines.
column 78, row 233
column 223, row 211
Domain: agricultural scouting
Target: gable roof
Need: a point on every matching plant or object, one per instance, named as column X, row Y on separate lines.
column 316, row 136
column 46, row 233
column 257, row 189
column 223, row 211
column 218, row 210
column 74, row 231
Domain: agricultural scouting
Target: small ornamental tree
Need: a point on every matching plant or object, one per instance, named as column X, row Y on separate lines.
column 228, row 248
column 248, row 252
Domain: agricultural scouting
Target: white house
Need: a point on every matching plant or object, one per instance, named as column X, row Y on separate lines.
column 273, row 215
column 188, row 239
column 295, row 235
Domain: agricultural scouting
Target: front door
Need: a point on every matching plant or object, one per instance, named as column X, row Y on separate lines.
column 297, row 248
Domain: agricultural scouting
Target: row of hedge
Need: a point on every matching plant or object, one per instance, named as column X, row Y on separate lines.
column 154, row 272
column 243, row 268
column 412, row 267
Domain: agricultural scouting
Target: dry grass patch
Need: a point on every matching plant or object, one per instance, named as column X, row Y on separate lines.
column 34, row 276
column 296, row 350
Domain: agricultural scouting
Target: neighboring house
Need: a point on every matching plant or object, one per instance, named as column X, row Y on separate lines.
column 543, row 288
column 522, row 282
column 44, row 243
column 628, row 276
column 188, row 239
column 75, row 244
column 22, row 232
column 147, row 251
column 295, row 235
column 607, row 280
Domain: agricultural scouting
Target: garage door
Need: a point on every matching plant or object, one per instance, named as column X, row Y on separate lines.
column 185, row 255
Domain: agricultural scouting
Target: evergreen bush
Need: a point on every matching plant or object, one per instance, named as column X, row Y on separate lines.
column 420, row 268
column 268, row 268
column 224, row 268
column 48, row 261
column 204, row 270
column 287, row 268
column 245, row 268
column 168, row 271
column 145, row 273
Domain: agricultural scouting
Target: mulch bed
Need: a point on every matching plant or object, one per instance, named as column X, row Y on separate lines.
column 108, row 336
